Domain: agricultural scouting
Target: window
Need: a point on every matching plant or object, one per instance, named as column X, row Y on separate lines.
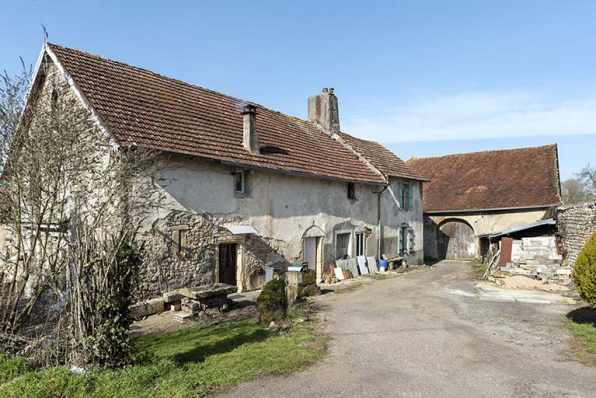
column 351, row 190
column 342, row 244
column 54, row 103
column 360, row 243
column 239, row 182
column 405, row 196
column 405, row 239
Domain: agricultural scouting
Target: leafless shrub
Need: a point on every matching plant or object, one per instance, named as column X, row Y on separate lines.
column 72, row 203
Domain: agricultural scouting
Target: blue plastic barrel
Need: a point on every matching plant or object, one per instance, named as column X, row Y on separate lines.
column 383, row 265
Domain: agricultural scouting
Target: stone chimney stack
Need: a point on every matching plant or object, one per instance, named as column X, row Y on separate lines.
column 323, row 109
column 250, row 138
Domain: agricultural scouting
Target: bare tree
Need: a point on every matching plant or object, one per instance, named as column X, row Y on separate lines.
column 587, row 176
column 72, row 205
column 573, row 191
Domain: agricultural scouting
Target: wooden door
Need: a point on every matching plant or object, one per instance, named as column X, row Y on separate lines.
column 456, row 241
column 227, row 263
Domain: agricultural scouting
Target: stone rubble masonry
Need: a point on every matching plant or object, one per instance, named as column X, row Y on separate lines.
column 195, row 265
column 576, row 224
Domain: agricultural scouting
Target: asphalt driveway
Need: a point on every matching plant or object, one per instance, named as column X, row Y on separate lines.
column 434, row 334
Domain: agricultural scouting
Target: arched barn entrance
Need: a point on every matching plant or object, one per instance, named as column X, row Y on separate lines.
column 456, row 240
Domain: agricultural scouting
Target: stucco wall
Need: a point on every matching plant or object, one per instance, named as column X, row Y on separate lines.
column 576, row 223
column 395, row 217
column 481, row 222
column 282, row 208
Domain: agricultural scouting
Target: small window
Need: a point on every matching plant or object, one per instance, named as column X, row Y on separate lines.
column 54, row 99
column 342, row 244
column 351, row 190
column 239, row 182
column 360, row 244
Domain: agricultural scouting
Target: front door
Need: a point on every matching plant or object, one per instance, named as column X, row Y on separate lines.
column 227, row 264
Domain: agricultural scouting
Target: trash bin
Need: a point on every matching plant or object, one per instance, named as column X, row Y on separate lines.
column 382, row 265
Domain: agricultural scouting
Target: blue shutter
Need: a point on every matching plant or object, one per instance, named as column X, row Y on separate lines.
column 400, row 194
column 410, row 239
column 410, row 203
column 400, row 240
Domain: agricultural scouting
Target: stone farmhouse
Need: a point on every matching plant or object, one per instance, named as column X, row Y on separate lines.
column 472, row 197
column 247, row 187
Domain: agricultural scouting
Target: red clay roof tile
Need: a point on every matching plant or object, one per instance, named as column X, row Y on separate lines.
column 525, row 177
column 144, row 108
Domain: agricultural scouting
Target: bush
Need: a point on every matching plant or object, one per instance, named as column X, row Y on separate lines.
column 272, row 303
column 584, row 272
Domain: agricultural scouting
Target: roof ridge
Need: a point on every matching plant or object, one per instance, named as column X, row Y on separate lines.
column 477, row 152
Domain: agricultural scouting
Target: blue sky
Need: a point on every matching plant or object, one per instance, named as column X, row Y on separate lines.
column 423, row 77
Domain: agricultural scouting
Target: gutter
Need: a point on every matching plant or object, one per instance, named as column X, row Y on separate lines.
column 437, row 212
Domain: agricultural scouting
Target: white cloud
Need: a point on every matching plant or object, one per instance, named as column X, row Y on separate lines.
column 476, row 116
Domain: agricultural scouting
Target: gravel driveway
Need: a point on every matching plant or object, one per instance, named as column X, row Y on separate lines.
column 412, row 336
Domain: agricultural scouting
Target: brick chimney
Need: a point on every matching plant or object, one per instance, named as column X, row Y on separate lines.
column 250, row 138
column 323, row 109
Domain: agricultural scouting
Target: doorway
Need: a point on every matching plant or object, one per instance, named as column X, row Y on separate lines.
column 227, row 263
column 456, row 241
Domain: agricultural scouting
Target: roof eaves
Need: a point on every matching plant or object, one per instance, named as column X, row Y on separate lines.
column 435, row 212
column 276, row 170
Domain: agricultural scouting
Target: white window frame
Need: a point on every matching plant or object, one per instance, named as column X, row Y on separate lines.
column 349, row 248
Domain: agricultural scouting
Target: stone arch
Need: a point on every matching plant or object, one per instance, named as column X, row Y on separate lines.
column 456, row 240
column 313, row 231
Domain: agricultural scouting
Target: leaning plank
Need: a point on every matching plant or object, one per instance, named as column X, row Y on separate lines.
column 362, row 265
column 339, row 273
column 353, row 267
column 372, row 264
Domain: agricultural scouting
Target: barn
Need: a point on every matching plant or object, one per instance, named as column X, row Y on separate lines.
column 472, row 196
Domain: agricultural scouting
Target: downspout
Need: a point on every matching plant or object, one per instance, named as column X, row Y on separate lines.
column 379, row 226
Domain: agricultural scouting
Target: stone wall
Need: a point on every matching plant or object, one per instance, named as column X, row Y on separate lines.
column 196, row 263
column 576, row 224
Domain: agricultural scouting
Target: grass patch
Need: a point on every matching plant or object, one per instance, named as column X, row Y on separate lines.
column 191, row 362
column 582, row 326
column 479, row 268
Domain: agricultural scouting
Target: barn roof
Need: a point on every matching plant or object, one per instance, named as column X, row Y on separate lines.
column 502, row 179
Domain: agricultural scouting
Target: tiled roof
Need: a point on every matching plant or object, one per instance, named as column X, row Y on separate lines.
column 382, row 158
column 149, row 110
column 526, row 177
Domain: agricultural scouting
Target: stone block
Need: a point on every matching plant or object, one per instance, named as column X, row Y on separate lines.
column 144, row 308
column 173, row 296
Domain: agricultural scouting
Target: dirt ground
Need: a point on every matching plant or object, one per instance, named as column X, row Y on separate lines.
column 439, row 333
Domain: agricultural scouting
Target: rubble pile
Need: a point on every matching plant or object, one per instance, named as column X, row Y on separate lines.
column 538, row 257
